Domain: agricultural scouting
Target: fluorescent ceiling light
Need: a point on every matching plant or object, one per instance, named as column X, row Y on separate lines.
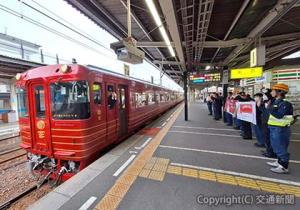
column 154, row 12
column 294, row 55
column 159, row 24
column 207, row 67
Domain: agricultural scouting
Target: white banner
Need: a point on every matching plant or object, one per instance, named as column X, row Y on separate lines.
column 246, row 111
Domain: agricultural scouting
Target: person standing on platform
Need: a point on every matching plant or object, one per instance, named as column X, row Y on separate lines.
column 216, row 106
column 236, row 121
column 221, row 102
column 209, row 104
column 227, row 115
column 258, row 97
column 246, row 130
column 267, row 100
column 280, row 120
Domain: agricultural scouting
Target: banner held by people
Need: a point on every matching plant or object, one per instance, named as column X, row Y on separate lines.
column 246, row 111
column 230, row 106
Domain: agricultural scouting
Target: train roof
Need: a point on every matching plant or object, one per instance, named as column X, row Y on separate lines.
column 106, row 71
column 48, row 71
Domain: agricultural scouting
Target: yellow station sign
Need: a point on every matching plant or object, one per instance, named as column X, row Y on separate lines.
column 243, row 73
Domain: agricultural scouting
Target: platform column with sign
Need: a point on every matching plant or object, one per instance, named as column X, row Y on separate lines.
column 225, row 79
column 126, row 70
column 258, row 56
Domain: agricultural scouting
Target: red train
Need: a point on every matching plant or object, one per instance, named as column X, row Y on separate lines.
column 69, row 113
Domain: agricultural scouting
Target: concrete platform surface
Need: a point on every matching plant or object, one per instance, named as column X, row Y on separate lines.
column 174, row 164
column 8, row 130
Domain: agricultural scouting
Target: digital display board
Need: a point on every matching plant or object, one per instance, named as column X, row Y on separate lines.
column 201, row 78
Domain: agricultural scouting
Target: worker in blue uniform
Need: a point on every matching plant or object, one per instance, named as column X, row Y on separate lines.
column 267, row 101
column 216, row 105
column 209, row 104
column 280, row 119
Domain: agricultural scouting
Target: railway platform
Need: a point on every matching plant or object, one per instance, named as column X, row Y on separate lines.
column 8, row 130
column 177, row 164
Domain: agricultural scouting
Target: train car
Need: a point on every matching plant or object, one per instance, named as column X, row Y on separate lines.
column 69, row 113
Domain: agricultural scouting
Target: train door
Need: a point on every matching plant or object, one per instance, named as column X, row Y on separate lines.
column 41, row 139
column 111, row 112
column 123, row 122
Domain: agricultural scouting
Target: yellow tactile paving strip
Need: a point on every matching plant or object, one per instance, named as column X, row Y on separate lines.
column 155, row 168
column 255, row 184
column 144, row 166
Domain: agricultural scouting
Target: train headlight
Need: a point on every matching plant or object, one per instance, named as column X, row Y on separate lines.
column 64, row 68
column 18, row 76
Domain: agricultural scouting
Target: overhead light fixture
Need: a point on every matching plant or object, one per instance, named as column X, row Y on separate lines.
column 159, row 24
column 207, row 67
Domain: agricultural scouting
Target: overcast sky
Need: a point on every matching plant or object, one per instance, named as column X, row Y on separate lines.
column 52, row 43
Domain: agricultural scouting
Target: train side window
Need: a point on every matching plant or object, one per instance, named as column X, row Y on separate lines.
column 97, row 93
column 167, row 97
column 157, row 97
column 140, row 100
column 111, row 96
column 172, row 96
column 151, row 98
column 122, row 98
column 39, row 101
column 162, row 97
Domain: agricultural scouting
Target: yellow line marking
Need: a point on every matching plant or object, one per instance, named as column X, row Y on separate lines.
column 149, row 166
column 145, row 173
column 163, row 161
column 255, row 184
column 206, row 173
column 289, row 187
column 157, row 175
column 247, row 185
column 133, row 170
column 119, row 189
column 174, row 170
column 140, row 163
column 223, row 176
column 160, row 167
column 227, row 179
column 208, row 178
column 108, row 202
column 127, row 179
column 190, row 172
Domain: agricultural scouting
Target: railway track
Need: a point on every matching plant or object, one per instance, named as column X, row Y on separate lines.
column 8, row 203
column 11, row 155
column 9, row 143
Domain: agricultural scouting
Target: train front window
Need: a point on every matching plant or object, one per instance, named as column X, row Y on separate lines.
column 70, row 100
column 22, row 102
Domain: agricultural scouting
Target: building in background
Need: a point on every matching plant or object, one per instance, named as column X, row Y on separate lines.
column 289, row 75
column 14, row 48
column 18, row 48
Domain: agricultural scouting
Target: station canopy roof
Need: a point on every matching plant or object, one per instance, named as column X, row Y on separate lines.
column 202, row 32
